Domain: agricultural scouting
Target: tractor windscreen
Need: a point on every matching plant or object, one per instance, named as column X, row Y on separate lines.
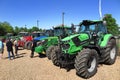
column 62, row 31
column 87, row 28
column 23, row 34
column 38, row 34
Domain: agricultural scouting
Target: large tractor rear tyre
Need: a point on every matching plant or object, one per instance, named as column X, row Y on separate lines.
column 86, row 63
column 110, row 53
column 54, row 55
column 26, row 45
column 29, row 45
column 48, row 52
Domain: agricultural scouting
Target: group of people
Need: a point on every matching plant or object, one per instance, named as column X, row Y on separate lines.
column 9, row 46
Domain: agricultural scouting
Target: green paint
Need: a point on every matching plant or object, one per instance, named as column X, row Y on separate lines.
column 72, row 49
column 52, row 40
column 105, row 40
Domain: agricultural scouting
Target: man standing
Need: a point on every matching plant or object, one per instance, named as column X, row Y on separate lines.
column 34, row 44
column 16, row 46
column 9, row 46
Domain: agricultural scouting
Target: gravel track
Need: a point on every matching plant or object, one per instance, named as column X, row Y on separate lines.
column 26, row 68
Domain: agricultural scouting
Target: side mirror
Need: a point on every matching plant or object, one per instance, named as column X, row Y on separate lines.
column 73, row 28
column 104, row 23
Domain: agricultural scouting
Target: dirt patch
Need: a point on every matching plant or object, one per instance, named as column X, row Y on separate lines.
column 25, row 68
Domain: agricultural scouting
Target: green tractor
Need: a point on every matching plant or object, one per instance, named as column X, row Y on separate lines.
column 45, row 45
column 84, row 50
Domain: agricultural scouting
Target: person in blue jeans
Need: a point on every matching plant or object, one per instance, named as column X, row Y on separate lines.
column 9, row 46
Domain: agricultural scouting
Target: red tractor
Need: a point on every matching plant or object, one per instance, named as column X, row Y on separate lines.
column 23, row 39
column 28, row 43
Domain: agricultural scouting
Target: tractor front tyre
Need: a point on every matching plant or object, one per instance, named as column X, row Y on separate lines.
column 48, row 52
column 86, row 63
column 54, row 55
column 110, row 53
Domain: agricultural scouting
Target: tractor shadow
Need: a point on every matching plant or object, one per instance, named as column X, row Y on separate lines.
column 40, row 56
column 21, row 55
column 68, row 68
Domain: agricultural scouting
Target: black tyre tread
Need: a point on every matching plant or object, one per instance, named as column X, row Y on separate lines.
column 29, row 45
column 48, row 52
column 54, row 56
column 80, row 63
column 26, row 44
column 106, row 54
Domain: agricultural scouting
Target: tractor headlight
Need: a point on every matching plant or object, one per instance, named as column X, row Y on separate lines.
column 42, row 42
column 65, row 44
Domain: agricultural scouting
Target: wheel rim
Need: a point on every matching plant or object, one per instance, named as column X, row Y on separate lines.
column 92, row 65
column 113, row 53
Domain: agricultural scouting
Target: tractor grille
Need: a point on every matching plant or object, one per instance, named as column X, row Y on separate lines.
column 76, row 41
column 65, row 46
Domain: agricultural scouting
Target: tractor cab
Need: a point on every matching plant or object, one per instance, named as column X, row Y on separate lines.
column 92, row 27
column 62, row 31
column 37, row 34
column 95, row 29
column 9, row 35
column 21, row 34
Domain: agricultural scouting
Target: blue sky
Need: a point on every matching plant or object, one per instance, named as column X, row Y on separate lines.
column 49, row 12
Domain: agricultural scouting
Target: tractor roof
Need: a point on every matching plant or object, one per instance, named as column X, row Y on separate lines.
column 23, row 32
column 58, row 27
column 37, row 32
column 90, row 22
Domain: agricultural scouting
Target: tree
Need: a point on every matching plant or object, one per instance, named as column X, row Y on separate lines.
column 16, row 30
column 3, row 31
column 8, row 27
column 112, row 26
column 5, row 27
column 35, row 28
column 23, row 29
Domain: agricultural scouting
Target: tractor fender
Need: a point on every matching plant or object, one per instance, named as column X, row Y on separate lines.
column 105, row 40
column 39, row 49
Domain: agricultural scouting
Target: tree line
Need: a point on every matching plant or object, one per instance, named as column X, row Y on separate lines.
column 5, row 27
column 111, row 24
